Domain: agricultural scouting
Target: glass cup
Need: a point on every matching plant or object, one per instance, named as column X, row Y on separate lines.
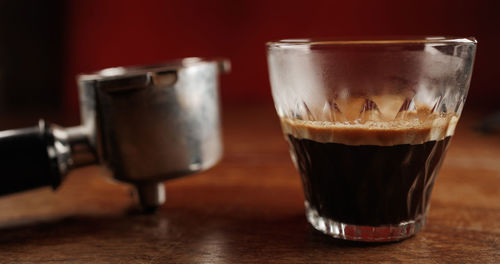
column 368, row 124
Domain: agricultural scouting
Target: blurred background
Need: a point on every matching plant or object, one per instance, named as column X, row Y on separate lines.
column 45, row 44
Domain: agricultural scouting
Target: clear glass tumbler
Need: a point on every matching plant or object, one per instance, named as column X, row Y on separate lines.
column 368, row 123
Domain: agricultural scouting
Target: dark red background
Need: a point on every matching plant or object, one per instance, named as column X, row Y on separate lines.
column 104, row 33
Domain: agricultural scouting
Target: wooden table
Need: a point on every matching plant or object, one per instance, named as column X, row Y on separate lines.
column 248, row 209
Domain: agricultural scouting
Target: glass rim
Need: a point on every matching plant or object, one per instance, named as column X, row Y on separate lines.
column 298, row 43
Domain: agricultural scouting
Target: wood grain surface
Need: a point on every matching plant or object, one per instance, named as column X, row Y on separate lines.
column 248, row 209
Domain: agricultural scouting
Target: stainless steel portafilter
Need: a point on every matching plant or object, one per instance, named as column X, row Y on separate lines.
column 146, row 124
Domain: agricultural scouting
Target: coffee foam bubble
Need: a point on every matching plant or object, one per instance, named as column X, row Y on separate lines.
column 383, row 133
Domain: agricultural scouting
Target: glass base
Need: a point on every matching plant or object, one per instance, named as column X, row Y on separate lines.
column 385, row 233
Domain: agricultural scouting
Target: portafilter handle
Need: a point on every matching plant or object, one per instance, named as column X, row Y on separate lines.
column 40, row 156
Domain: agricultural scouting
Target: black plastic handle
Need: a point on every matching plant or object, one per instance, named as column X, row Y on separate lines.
column 25, row 159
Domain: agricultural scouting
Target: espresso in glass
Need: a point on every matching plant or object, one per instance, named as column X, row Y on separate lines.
column 376, row 170
column 368, row 122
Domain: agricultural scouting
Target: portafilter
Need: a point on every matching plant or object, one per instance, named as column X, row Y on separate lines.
column 146, row 124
